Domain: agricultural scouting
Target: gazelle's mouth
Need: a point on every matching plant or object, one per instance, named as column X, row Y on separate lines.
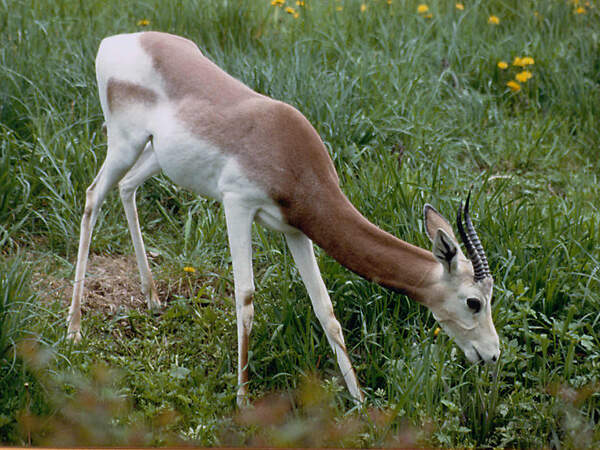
column 478, row 355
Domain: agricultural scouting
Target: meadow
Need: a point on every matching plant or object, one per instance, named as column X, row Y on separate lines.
column 415, row 101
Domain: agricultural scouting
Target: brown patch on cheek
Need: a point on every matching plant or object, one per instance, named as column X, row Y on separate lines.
column 120, row 94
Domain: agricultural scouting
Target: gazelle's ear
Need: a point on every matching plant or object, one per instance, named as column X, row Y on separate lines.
column 435, row 221
column 446, row 250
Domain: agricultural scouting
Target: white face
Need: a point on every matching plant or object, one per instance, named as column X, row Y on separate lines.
column 466, row 315
column 461, row 305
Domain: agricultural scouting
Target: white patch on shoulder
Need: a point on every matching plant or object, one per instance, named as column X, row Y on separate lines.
column 235, row 181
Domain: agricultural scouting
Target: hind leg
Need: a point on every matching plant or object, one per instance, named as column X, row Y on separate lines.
column 123, row 151
column 146, row 166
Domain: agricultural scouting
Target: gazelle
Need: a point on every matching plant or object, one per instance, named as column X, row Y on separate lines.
column 170, row 109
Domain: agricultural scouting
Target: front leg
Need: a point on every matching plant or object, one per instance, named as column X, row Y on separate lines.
column 303, row 253
column 239, row 217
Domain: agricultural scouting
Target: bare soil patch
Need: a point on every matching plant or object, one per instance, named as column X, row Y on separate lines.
column 111, row 282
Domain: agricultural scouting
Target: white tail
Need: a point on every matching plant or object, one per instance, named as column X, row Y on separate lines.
column 170, row 109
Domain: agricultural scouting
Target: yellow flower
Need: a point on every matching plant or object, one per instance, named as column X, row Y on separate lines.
column 279, row 3
column 527, row 61
column 502, row 65
column 460, row 6
column 493, row 20
column 338, row 8
column 189, row 269
column 522, row 62
column 389, row 2
column 437, row 331
column 514, row 86
column 143, row 23
column 422, row 8
column 523, row 76
column 580, row 10
column 428, row 16
column 363, row 7
column 300, row 2
column 290, row 10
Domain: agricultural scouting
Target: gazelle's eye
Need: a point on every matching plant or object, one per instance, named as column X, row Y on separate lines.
column 474, row 304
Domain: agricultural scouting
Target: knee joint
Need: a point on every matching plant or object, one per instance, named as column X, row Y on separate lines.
column 333, row 328
column 245, row 296
column 126, row 190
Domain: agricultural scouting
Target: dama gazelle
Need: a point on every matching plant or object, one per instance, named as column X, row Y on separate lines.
column 170, row 109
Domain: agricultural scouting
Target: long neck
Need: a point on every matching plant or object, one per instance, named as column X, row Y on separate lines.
column 338, row 228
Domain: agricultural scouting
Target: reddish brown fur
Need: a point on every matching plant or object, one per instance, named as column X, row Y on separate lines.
column 282, row 152
column 187, row 73
column 120, row 93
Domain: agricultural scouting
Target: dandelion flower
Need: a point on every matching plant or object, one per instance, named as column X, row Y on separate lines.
column 279, row 3
column 189, row 269
column 143, row 23
column 523, row 76
column 428, row 16
column 363, row 7
column 527, row 61
column 514, row 86
column 493, row 20
column 422, row 8
column 522, row 62
column 502, row 65
column 300, row 2
column 338, row 8
column 580, row 10
column 290, row 10
column 437, row 331
column 389, row 2
column 460, row 6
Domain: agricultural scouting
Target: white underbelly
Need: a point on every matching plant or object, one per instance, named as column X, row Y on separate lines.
column 195, row 166
column 198, row 165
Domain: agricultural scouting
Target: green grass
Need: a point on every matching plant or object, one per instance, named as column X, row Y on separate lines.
column 412, row 110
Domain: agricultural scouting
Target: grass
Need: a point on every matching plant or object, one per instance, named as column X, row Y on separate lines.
column 412, row 110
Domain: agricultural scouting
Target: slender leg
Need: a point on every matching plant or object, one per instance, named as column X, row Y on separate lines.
column 302, row 251
column 146, row 166
column 120, row 157
column 239, row 219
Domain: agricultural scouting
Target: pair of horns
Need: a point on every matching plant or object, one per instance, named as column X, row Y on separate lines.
column 472, row 243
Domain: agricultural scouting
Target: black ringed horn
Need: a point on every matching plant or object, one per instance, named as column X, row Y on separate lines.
column 471, row 252
column 484, row 270
column 463, row 235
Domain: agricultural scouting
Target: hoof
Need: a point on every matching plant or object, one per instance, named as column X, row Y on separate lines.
column 74, row 335
column 242, row 398
column 153, row 302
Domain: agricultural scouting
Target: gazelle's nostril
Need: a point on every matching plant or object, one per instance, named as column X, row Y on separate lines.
column 494, row 358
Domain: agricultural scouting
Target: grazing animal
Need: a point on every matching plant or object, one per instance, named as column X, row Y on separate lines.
column 168, row 108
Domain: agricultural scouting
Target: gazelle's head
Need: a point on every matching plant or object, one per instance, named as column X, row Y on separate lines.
column 463, row 303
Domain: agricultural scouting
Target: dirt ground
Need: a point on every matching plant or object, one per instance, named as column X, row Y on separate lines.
column 111, row 282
